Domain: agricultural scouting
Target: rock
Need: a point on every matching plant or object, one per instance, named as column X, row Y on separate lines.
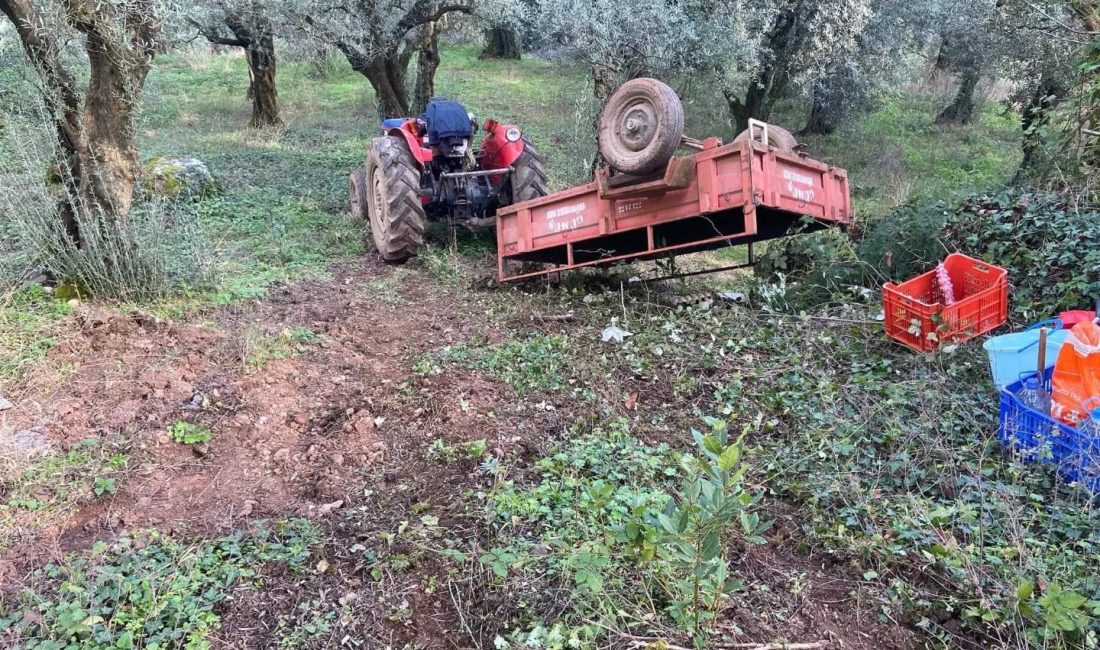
column 202, row 449
column 28, row 442
column 326, row 508
column 185, row 177
column 349, row 597
column 246, row 508
column 5, row 404
column 281, row 456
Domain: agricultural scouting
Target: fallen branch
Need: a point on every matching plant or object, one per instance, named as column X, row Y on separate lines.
column 555, row 318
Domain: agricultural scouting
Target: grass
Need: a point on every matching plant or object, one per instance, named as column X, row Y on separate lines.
column 149, row 589
column 44, row 488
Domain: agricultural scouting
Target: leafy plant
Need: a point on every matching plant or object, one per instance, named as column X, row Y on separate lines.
column 104, row 485
column 187, row 433
column 156, row 593
column 691, row 564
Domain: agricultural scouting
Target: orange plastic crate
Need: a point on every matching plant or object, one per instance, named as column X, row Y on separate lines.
column 916, row 316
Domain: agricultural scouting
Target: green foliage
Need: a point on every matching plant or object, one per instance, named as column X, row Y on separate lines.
column 261, row 349
column 537, row 363
column 473, row 450
column 49, row 485
column 888, row 459
column 187, row 433
column 604, row 517
column 149, row 591
column 27, row 318
column 1046, row 241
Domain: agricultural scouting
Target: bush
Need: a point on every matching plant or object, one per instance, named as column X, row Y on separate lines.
column 1047, row 242
column 144, row 256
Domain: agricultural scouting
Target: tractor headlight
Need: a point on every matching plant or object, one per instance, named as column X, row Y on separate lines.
column 513, row 134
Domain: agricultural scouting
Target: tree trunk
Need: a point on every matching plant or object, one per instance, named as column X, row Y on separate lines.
column 108, row 156
column 427, row 62
column 1048, row 94
column 262, row 89
column 822, row 121
column 386, row 75
column 500, row 43
column 961, row 110
column 755, row 106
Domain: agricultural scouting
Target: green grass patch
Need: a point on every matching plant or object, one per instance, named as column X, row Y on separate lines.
column 537, row 363
column 27, row 319
column 148, row 590
column 41, row 487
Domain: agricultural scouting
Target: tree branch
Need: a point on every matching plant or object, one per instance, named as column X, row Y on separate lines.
column 209, row 34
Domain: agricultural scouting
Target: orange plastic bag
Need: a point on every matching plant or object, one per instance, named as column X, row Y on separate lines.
column 1076, row 373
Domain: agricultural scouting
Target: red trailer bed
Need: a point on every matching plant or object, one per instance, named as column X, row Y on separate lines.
column 723, row 195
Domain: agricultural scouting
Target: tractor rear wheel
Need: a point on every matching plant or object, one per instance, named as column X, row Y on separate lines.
column 778, row 137
column 528, row 180
column 641, row 126
column 393, row 199
column 357, row 189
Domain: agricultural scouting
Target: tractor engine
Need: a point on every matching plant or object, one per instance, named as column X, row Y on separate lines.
column 457, row 190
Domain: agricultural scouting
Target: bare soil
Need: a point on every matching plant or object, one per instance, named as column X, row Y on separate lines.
column 339, row 431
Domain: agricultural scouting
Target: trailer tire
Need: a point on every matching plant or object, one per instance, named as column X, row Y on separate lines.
column 357, row 191
column 528, row 180
column 778, row 137
column 641, row 126
column 393, row 199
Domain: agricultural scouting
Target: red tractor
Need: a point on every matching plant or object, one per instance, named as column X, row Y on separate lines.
column 425, row 168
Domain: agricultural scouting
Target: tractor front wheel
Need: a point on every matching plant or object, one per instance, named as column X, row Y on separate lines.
column 393, row 199
column 528, row 180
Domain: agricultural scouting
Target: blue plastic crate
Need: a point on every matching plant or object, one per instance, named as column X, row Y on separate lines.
column 1039, row 438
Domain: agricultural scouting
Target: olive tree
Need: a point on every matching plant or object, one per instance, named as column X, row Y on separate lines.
column 94, row 120
column 379, row 39
column 800, row 39
column 245, row 24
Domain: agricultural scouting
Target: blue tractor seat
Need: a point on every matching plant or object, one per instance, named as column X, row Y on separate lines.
column 393, row 123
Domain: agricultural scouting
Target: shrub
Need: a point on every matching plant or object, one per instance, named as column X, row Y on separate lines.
column 1047, row 242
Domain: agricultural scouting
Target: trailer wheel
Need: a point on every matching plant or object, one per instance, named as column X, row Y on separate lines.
column 393, row 199
column 778, row 137
column 528, row 181
column 357, row 190
column 641, row 126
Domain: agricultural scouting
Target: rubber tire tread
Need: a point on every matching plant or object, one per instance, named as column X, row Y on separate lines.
column 666, row 140
column 778, row 137
column 399, row 230
column 529, row 178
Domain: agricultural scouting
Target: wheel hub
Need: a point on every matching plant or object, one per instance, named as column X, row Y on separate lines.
column 637, row 125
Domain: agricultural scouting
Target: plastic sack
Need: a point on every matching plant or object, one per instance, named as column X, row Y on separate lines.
column 1076, row 373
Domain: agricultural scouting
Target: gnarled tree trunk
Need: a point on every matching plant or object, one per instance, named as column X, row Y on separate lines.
column 262, row 88
column 97, row 141
column 427, row 62
column 822, row 121
column 961, row 110
column 501, row 43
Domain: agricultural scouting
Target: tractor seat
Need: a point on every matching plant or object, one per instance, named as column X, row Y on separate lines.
column 447, row 121
column 393, row 123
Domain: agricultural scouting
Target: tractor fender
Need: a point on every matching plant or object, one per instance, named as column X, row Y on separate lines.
column 497, row 152
column 420, row 153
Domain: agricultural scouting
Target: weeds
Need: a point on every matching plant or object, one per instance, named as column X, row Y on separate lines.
column 147, row 590
column 186, row 433
column 605, row 524
column 261, row 349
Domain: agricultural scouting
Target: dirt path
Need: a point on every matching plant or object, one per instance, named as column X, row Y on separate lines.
column 315, row 409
